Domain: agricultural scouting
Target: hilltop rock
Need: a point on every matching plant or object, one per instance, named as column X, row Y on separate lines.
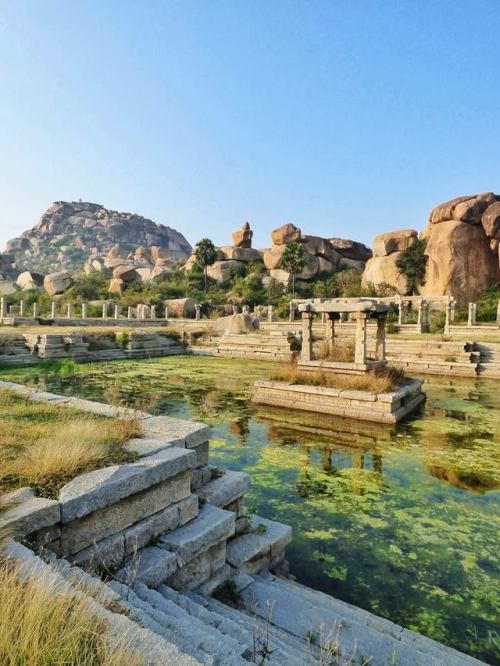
column 243, row 237
column 288, row 233
column 220, row 271
column 68, row 232
column 7, row 287
column 491, row 220
column 464, row 209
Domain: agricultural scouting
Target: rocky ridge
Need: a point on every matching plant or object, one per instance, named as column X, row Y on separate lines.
column 69, row 232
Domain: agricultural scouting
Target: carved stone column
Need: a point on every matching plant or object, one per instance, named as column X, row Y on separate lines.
column 360, row 349
column 306, row 352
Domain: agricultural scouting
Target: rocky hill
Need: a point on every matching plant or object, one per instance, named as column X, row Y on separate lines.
column 68, row 232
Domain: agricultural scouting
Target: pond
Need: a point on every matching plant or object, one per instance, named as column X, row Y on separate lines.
column 402, row 521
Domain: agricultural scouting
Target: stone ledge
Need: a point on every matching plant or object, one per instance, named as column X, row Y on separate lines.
column 225, row 489
column 250, row 552
column 100, row 488
column 27, row 513
column 152, row 566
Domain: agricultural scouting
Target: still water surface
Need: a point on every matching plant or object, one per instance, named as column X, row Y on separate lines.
column 401, row 521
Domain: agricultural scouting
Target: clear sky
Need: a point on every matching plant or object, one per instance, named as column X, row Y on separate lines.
column 346, row 117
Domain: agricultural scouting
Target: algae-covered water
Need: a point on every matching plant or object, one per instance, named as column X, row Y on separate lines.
column 401, row 521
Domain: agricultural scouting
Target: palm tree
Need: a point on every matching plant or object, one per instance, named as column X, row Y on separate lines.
column 293, row 261
column 206, row 255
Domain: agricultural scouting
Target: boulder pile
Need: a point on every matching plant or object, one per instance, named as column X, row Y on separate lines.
column 462, row 249
column 322, row 256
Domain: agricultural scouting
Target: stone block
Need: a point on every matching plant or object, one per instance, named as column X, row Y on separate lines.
column 105, row 555
column 215, row 581
column 211, row 526
column 226, row 489
column 199, row 569
column 254, row 551
column 151, row 566
column 114, row 518
column 146, row 446
column 202, row 453
column 103, row 487
column 139, row 535
column 191, row 432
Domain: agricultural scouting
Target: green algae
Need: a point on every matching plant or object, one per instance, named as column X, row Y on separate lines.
column 402, row 521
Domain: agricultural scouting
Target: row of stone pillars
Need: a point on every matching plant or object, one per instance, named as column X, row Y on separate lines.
column 360, row 353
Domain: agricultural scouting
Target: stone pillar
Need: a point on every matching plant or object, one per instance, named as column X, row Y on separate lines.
column 360, row 349
column 235, row 309
column 453, row 305
column 36, row 310
column 323, row 317
column 471, row 320
column 423, row 317
column 403, row 312
column 85, row 310
column 380, row 338
column 293, row 308
column 307, row 342
column 341, row 318
column 330, row 331
column 53, row 310
column 129, row 312
column 447, row 320
column 152, row 312
column 166, row 312
column 104, row 310
column 270, row 312
column 69, row 311
column 22, row 308
column 3, row 307
column 140, row 311
column 197, row 310
column 117, row 311
column 245, row 309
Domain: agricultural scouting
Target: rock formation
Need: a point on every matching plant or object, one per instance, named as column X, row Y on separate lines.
column 68, row 232
column 57, row 283
column 243, row 237
column 462, row 250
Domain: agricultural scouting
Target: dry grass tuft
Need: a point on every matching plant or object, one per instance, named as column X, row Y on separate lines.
column 44, row 446
column 374, row 381
column 42, row 625
column 341, row 353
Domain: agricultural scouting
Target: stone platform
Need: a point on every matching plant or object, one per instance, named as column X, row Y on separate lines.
column 362, row 405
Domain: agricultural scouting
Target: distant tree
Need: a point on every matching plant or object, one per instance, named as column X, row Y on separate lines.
column 293, row 261
column 205, row 256
column 412, row 264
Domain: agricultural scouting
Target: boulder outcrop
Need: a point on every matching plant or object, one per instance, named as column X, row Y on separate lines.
column 29, row 280
column 180, row 307
column 460, row 262
column 288, row 233
column 237, row 324
column 350, row 249
column 383, row 271
column 393, row 241
column 68, row 231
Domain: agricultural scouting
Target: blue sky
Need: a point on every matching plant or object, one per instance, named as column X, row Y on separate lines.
column 348, row 118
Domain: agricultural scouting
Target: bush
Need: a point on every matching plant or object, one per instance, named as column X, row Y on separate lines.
column 488, row 303
column 437, row 322
column 412, row 263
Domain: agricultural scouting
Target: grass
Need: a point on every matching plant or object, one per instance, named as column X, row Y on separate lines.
column 42, row 626
column 44, row 446
column 342, row 353
column 374, row 381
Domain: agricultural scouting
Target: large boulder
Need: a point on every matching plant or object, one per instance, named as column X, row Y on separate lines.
column 113, row 262
column 29, row 280
column 491, row 220
column 288, row 233
column 7, row 287
column 118, row 252
column 393, row 241
column 320, row 247
column 460, row 261
column 243, row 237
column 346, row 264
column 464, row 209
column 126, row 273
column 237, row 324
column 238, row 253
column 311, row 268
column 272, row 257
column 351, row 249
column 116, row 285
column 221, row 271
column 6, row 262
column 383, row 270
column 57, row 283
column 181, row 307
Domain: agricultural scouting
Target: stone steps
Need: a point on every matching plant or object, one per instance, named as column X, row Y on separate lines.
column 225, row 489
column 357, row 634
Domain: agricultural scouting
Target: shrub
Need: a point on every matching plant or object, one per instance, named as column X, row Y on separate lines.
column 374, row 381
column 437, row 322
column 488, row 303
column 412, row 263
